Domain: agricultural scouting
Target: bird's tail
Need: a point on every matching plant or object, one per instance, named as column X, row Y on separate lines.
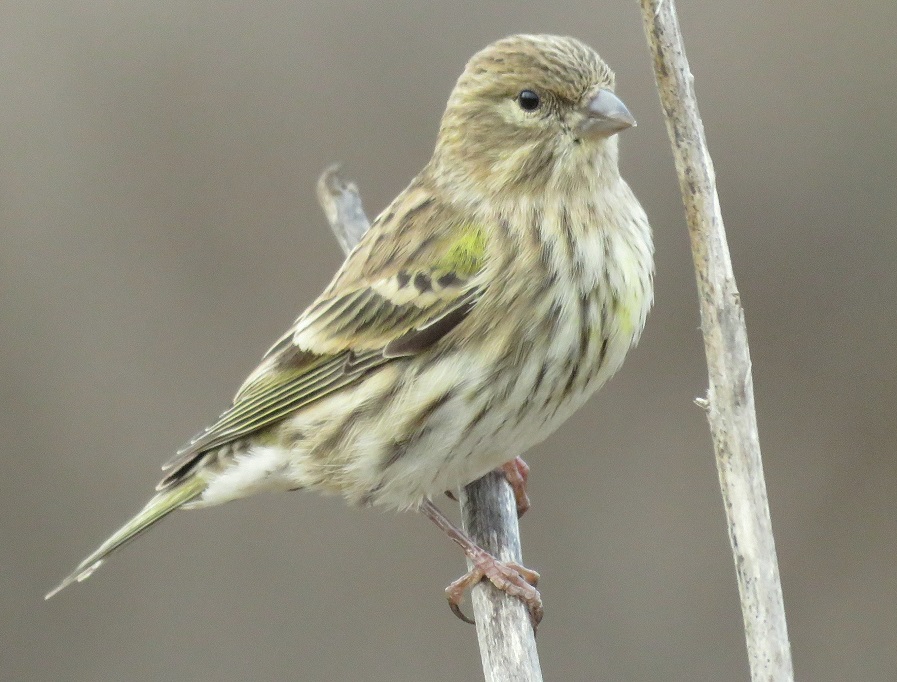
column 160, row 506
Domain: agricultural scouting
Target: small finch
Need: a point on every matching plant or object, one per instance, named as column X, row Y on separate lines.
column 483, row 307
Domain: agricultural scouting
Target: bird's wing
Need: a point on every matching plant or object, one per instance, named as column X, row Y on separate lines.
column 377, row 309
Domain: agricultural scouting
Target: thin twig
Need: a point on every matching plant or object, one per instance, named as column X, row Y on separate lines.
column 341, row 202
column 488, row 508
column 730, row 399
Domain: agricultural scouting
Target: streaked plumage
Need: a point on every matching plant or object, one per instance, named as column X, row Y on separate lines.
column 484, row 306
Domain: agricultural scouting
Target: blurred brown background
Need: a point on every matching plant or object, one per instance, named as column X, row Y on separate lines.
column 158, row 229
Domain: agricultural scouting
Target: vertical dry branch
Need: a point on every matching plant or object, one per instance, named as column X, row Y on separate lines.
column 730, row 398
column 506, row 638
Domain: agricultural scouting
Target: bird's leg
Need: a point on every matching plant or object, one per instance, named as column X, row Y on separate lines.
column 517, row 473
column 508, row 576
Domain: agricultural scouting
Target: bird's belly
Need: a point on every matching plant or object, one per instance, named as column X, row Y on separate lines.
column 491, row 414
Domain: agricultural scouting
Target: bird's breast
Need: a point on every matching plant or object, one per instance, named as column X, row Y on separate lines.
column 580, row 299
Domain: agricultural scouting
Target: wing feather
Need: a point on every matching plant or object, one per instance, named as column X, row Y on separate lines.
column 292, row 378
column 380, row 307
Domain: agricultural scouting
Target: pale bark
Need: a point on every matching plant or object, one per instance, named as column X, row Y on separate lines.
column 730, row 398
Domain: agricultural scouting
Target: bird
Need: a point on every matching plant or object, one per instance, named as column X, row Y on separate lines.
column 486, row 303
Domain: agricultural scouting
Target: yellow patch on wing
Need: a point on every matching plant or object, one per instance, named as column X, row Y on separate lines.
column 408, row 296
column 466, row 253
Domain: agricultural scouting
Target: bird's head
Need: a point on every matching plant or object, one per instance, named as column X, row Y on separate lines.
column 531, row 111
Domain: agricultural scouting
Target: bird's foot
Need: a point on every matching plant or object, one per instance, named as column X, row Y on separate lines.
column 508, row 576
column 517, row 473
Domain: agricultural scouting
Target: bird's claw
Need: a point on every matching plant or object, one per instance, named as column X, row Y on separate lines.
column 510, row 577
column 517, row 473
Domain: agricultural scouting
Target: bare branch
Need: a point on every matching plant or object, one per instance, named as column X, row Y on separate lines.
column 506, row 637
column 730, row 400
column 341, row 202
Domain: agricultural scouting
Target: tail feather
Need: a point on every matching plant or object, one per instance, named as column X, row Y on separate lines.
column 160, row 506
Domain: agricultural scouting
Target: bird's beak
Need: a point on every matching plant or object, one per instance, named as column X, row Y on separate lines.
column 605, row 115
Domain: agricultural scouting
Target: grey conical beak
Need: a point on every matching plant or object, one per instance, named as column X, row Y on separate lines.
column 605, row 115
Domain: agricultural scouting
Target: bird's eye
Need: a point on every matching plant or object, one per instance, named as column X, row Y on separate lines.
column 528, row 100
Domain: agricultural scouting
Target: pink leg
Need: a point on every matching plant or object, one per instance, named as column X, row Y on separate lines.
column 517, row 473
column 509, row 577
